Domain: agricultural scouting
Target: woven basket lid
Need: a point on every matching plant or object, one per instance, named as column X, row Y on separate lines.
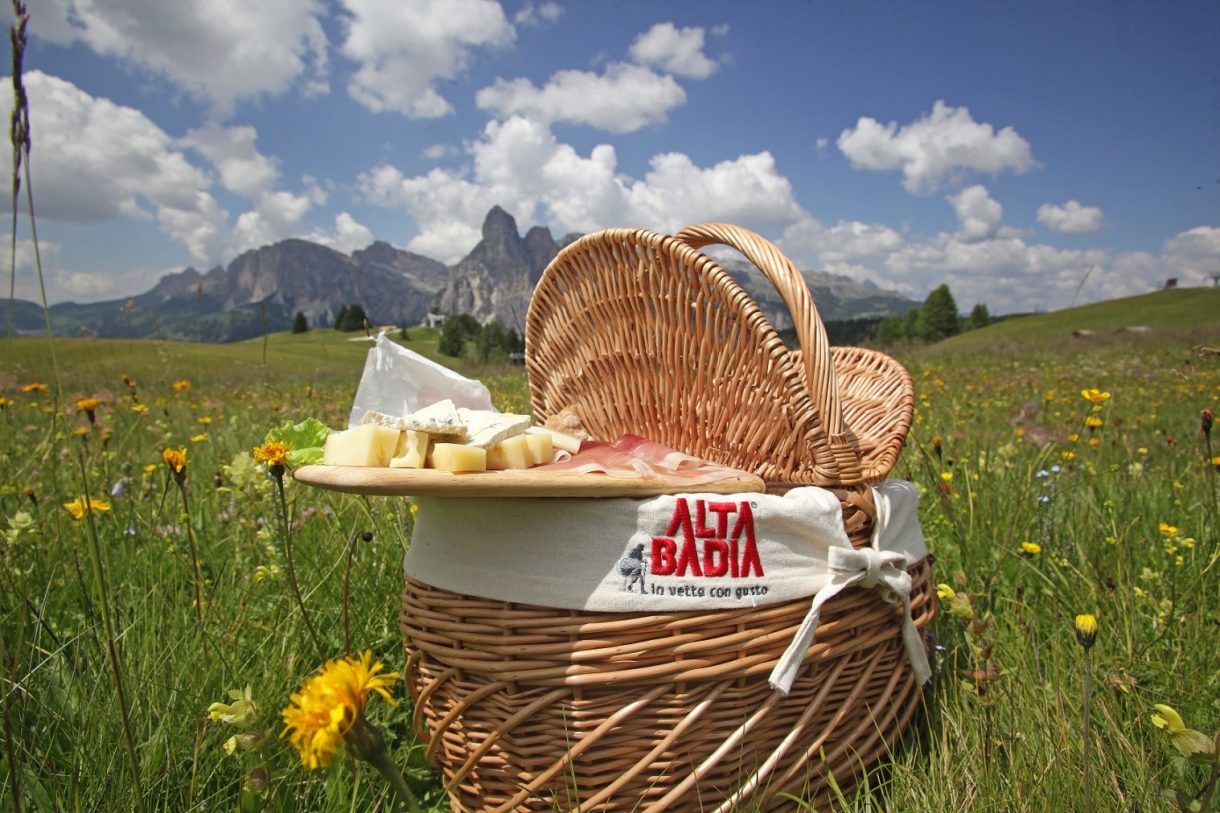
column 640, row 332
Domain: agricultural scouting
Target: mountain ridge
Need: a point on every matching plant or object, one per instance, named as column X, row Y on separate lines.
column 261, row 290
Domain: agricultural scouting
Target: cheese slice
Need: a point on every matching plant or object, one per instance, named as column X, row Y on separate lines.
column 540, row 448
column 485, row 428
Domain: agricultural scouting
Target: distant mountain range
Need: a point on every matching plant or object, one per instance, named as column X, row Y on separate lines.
column 262, row 289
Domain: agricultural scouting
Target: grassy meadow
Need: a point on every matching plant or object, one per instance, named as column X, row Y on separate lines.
column 1058, row 477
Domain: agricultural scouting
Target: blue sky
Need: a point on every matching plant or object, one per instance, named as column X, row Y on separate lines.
column 1005, row 149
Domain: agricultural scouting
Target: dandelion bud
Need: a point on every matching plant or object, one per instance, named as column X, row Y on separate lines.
column 1206, row 419
column 257, row 781
column 1086, row 630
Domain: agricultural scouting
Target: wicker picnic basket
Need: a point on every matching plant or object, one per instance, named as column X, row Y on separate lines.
column 533, row 708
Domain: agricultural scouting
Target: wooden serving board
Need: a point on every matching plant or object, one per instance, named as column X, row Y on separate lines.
column 509, row 483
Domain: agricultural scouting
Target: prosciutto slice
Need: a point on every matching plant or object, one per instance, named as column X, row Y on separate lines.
column 634, row 457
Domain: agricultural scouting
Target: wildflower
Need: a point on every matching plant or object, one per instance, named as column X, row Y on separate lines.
column 1031, row 548
column 175, row 459
column 200, row 438
column 944, row 592
column 242, row 712
column 947, row 476
column 1095, row 396
column 1086, row 630
column 81, row 506
column 1206, row 419
column 139, row 409
column 1194, row 745
column 30, row 493
column 3, row 402
column 330, row 704
column 1094, row 442
column 204, row 419
column 1166, row 529
column 959, row 604
column 1068, row 456
column 273, row 453
column 1216, row 462
column 34, row 386
column 1094, row 422
column 150, row 468
column 936, row 446
column 181, row 385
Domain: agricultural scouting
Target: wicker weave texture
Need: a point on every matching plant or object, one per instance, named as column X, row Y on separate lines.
column 531, row 708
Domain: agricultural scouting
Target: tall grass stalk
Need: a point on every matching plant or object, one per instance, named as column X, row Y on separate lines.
column 277, row 473
column 102, row 601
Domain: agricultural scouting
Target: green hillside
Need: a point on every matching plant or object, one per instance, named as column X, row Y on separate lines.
column 1192, row 314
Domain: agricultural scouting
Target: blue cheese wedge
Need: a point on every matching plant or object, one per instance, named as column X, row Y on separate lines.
column 441, row 418
column 485, row 429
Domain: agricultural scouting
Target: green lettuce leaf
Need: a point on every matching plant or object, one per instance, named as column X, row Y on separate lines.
column 305, row 439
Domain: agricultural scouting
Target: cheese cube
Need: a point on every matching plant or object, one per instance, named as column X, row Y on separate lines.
column 457, row 457
column 540, row 448
column 560, row 440
column 364, row 445
column 512, row 453
column 412, row 450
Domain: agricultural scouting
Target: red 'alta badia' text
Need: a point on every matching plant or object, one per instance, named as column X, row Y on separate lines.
column 708, row 551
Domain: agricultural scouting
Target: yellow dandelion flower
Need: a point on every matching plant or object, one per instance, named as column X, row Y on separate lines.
column 150, row 468
column 80, row 431
column 273, row 453
column 330, row 703
column 1086, row 629
column 204, row 419
column 946, row 476
column 175, row 459
column 87, row 404
column 81, row 506
column 1031, row 548
column 1094, row 442
column 1095, row 396
column 139, row 409
column 1166, row 529
column 34, row 386
column 1068, row 456
column 181, row 385
column 200, row 438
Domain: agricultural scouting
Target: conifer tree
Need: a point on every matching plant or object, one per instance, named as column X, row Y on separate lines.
column 938, row 318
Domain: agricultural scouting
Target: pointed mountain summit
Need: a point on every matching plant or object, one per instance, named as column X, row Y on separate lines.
column 496, row 278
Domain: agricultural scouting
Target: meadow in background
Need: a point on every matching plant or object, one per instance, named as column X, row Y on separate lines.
column 1057, row 479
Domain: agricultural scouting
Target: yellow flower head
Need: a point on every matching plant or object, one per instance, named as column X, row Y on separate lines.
column 200, row 438
column 181, row 385
column 1086, row 629
column 87, row 404
column 1167, row 719
column 1166, row 529
column 947, row 476
column 1031, row 548
column 242, row 712
column 81, row 506
column 944, row 592
column 273, row 453
column 139, row 409
column 1095, row 396
column 34, row 386
column 175, row 459
column 1094, row 422
column 329, row 703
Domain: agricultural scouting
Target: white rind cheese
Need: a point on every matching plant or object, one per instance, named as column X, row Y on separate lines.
column 441, row 418
column 485, row 429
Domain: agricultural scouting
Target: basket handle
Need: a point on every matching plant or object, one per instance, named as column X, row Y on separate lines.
column 810, row 332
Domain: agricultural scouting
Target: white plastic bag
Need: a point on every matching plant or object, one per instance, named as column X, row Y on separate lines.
column 398, row 381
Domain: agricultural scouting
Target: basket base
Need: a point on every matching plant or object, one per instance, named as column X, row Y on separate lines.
column 530, row 708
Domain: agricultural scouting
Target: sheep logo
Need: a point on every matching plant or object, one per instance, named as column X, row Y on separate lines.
column 631, row 568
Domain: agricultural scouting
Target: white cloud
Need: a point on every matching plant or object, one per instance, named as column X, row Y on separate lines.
column 531, row 16
column 347, row 236
column 436, row 152
column 404, row 47
column 978, row 214
column 674, row 50
column 1071, row 218
column 224, row 51
column 242, row 168
column 521, row 166
column 1193, row 255
column 277, row 215
column 126, row 167
column 939, row 147
column 622, row 99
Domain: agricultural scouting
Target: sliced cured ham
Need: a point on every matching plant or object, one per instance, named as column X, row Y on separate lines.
column 633, row 457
